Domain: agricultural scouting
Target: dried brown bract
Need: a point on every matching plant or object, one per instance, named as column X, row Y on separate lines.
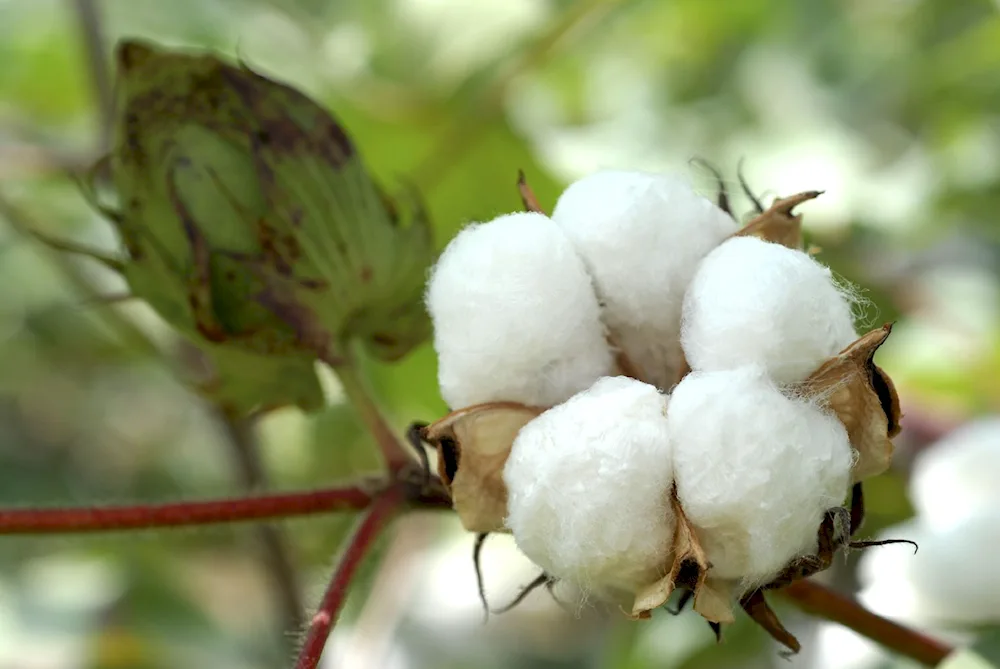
column 472, row 446
column 864, row 399
column 778, row 224
column 689, row 569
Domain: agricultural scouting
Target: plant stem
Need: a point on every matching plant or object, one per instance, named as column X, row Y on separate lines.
column 74, row 520
column 92, row 34
column 375, row 520
column 820, row 601
column 276, row 556
column 358, row 395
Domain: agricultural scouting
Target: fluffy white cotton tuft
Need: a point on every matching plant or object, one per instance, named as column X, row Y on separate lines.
column 515, row 315
column 589, row 487
column 642, row 236
column 755, row 470
column 753, row 302
column 957, row 571
column 957, row 476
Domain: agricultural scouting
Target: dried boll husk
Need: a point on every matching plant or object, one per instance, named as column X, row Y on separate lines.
column 864, row 398
column 472, row 446
column 778, row 224
column 642, row 236
column 689, row 568
column 589, row 488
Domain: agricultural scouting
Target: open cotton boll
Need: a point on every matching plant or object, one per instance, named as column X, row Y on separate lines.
column 642, row 236
column 753, row 302
column 588, row 487
column 755, row 470
column 956, row 570
column 515, row 315
column 957, row 476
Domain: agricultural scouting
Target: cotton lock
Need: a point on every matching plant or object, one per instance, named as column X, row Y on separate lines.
column 958, row 476
column 589, row 484
column 957, row 571
column 754, row 302
column 755, row 470
column 515, row 315
column 642, row 236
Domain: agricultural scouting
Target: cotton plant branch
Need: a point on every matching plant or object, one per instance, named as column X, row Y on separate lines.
column 382, row 500
column 275, row 506
column 91, row 29
column 374, row 521
column 822, row 602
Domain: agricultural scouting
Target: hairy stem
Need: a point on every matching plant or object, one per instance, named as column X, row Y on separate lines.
column 820, row 601
column 374, row 521
column 396, row 456
column 275, row 553
column 75, row 520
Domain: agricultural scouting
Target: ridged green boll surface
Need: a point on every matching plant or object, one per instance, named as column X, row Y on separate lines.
column 249, row 221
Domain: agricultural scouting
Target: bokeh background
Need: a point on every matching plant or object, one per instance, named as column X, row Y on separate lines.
column 892, row 107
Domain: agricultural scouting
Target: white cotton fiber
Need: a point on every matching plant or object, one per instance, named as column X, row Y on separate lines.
column 515, row 315
column 958, row 476
column 589, row 487
column 642, row 236
column 755, row 470
column 957, row 571
column 754, row 302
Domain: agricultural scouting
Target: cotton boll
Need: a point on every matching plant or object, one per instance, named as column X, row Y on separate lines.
column 755, row 470
column 886, row 575
column 589, row 487
column 957, row 570
column 753, row 302
column 957, row 476
column 951, row 582
column 515, row 315
column 642, row 236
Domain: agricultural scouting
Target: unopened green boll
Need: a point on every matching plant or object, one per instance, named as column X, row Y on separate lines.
column 249, row 221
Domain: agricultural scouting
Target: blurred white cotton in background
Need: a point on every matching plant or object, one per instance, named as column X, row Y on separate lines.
column 463, row 35
column 959, row 475
column 952, row 584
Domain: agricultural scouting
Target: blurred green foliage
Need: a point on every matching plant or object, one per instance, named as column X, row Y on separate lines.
column 893, row 107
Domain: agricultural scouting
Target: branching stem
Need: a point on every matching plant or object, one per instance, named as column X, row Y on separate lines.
column 376, row 519
column 77, row 520
column 823, row 602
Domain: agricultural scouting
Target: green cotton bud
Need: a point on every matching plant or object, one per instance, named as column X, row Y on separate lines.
column 249, row 221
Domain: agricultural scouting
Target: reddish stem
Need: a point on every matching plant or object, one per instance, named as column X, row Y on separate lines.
column 178, row 514
column 820, row 601
column 375, row 520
